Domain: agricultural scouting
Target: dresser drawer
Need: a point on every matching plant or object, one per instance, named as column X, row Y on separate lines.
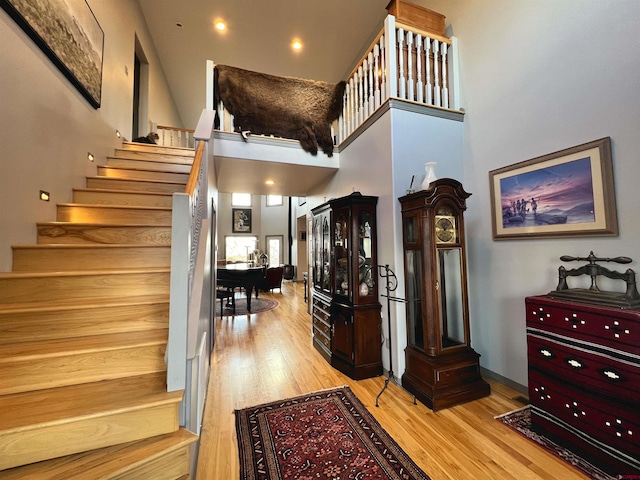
column 322, row 326
column 615, row 424
column 612, row 327
column 607, row 371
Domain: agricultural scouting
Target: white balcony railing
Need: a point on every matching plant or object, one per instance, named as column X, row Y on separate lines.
column 403, row 62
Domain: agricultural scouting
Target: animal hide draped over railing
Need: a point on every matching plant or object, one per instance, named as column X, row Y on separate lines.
column 285, row 107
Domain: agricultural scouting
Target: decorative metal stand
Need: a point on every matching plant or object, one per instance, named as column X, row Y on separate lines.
column 391, row 284
column 629, row 299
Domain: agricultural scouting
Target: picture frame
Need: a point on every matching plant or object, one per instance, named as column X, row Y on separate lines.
column 569, row 193
column 76, row 50
column 241, row 220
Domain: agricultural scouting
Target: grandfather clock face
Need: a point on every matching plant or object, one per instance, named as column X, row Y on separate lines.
column 445, row 229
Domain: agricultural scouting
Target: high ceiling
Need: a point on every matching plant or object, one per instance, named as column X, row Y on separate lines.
column 334, row 33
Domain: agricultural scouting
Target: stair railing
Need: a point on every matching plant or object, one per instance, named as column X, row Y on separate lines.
column 402, row 62
column 190, row 295
column 173, row 136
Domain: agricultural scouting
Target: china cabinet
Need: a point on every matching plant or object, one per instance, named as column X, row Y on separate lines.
column 345, row 306
column 442, row 369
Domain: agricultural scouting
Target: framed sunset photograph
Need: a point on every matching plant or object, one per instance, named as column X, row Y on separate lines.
column 562, row 194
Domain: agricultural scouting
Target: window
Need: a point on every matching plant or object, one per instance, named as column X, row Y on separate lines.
column 274, row 249
column 237, row 249
column 274, row 200
column 241, row 199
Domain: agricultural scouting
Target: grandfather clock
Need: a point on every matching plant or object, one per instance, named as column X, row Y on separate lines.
column 442, row 369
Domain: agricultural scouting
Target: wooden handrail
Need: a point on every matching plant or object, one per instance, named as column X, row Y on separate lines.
column 163, row 127
column 424, row 33
column 195, row 169
column 366, row 54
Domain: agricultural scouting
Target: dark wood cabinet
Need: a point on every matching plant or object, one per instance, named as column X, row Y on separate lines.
column 584, row 380
column 345, row 307
column 442, row 369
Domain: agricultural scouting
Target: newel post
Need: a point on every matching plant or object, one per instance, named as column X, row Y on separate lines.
column 454, row 75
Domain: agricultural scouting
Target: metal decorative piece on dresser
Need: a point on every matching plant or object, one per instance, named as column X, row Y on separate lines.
column 583, row 348
column 442, row 369
column 345, row 308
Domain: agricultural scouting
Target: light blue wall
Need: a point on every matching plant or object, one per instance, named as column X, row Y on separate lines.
column 538, row 77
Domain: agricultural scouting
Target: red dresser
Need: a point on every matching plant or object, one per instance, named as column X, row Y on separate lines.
column 584, row 380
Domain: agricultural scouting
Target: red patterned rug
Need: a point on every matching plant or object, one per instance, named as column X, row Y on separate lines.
column 520, row 421
column 327, row 434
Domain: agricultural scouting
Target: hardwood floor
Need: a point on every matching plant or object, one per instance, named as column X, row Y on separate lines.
column 269, row 356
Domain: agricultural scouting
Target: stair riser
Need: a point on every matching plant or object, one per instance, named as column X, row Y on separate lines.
column 148, row 165
column 45, row 288
column 141, row 185
column 57, row 324
column 142, row 174
column 89, row 258
column 83, row 234
column 73, row 369
column 52, row 441
column 170, row 466
column 106, row 214
column 155, row 150
column 97, row 197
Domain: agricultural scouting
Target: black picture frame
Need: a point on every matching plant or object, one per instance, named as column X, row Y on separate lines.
column 569, row 193
column 241, row 220
column 76, row 49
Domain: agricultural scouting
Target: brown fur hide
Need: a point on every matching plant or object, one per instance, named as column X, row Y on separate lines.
column 282, row 106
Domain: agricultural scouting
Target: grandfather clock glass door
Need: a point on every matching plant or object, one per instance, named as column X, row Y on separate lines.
column 442, row 369
column 413, row 279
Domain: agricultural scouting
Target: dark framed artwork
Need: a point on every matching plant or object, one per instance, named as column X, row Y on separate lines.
column 241, row 218
column 569, row 193
column 69, row 34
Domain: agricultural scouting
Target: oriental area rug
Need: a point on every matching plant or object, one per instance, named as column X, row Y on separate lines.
column 327, row 435
column 520, row 421
column 258, row 305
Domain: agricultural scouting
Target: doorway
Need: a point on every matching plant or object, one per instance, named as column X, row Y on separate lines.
column 140, row 122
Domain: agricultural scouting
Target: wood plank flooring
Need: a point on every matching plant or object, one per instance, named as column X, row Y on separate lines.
column 269, row 356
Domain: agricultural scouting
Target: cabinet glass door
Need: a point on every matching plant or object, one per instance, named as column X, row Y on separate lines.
column 326, row 250
column 366, row 260
column 317, row 252
column 342, row 285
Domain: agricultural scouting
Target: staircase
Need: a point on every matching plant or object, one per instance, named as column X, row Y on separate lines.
column 84, row 321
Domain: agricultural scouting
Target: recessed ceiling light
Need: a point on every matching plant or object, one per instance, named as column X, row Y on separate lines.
column 296, row 45
column 269, row 182
column 220, row 25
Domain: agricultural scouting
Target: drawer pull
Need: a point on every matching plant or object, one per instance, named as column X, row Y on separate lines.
column 611, row 374
column 574, row 363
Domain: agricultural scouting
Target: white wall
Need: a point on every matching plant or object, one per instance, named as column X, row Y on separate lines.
column 538, row 77
column 47, row 127
column 264, row 221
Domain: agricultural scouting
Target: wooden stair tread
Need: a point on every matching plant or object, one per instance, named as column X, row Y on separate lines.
column 66, row 246
column 26, row 351
column 112, row 302
column 153, row 148
column 131, row 192
column 28, row 410
column 176, row 160
column 98, row 225
column 114, row 207
column 87, row 273
column 118, row 179
column 138, row 169
column 105, row 463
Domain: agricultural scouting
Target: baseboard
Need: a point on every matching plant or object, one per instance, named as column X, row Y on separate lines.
column 522, row 389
